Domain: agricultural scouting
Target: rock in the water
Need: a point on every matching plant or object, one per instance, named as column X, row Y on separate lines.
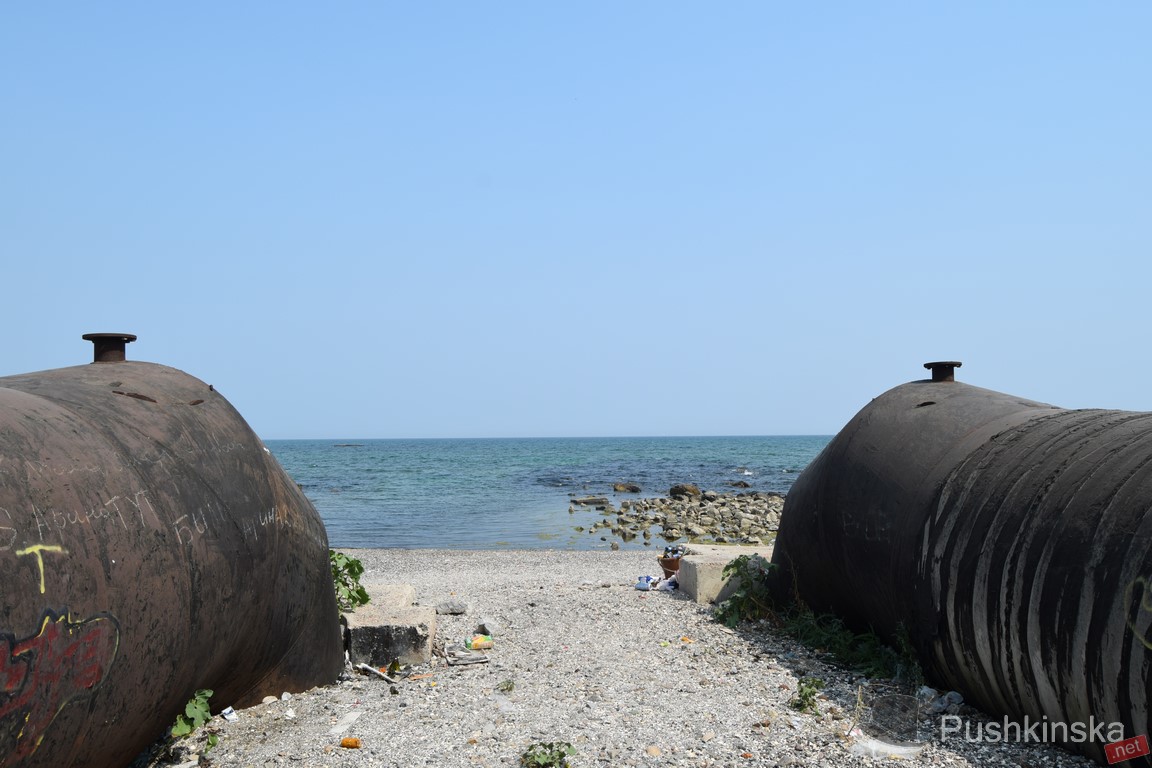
column 591, row 501
column 626, row 488
column 685, row 490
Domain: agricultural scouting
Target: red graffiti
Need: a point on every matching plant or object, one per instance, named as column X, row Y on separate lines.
column 43, row 673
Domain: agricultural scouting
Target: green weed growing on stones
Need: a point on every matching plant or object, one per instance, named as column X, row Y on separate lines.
column 806, row 692
column 196, row 713
column 547, row 754
column 751, row 600
column 864, row 652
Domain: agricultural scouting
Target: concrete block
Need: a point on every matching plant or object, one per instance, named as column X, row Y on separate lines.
column 702, row 569
column 392, row 595
column 390, row 628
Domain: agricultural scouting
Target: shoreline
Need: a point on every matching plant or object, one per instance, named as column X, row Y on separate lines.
column 629, row 678
column 640, row 523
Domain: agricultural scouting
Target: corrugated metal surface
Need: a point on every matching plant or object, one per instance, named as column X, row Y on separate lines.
column 1011, row 540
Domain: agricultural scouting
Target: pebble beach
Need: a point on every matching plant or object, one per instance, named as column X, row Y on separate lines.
column 583, row 658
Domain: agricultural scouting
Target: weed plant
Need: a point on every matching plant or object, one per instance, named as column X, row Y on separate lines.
column 346, row 573
column 864, row 652
column 806, row 693
column 196, row 713
column 547, row 754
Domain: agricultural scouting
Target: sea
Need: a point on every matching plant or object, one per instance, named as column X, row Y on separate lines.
column 515, row 493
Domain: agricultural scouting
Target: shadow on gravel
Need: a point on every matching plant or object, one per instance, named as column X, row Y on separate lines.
column 896, row 716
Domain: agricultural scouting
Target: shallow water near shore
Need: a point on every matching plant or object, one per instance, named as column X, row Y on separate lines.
column 513, row 493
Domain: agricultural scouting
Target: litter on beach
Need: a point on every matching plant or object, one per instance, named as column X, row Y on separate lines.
column 479, row 642
column 368, row 669
column 649, row 583
column 458, row 655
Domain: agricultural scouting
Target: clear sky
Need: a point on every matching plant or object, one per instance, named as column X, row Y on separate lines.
column 437, row 219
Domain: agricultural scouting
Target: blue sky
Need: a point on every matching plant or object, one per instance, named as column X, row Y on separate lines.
column 374, row 219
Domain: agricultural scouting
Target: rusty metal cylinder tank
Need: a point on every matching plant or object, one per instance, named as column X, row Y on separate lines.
column 150, row 545
column 1010, row 540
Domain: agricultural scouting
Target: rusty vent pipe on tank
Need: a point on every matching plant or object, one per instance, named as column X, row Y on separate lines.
column 109, row 347
column 943, row 370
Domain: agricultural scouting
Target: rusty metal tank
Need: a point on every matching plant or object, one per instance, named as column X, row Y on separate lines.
column 150, row 545
column 1009, row 539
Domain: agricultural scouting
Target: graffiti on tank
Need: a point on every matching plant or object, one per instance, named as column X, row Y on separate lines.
column 38, row 550
column 123, row 509
column 39, row 675
column 130, row 511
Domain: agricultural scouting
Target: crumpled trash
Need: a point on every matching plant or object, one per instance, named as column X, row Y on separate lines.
column 458, row 655
column 368, row 669
column 644, row 583
column 669, row 584
column 864, row 745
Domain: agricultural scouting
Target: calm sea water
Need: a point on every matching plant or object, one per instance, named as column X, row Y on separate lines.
column 514, row 493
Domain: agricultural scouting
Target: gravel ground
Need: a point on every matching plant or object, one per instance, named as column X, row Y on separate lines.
column 627, row 677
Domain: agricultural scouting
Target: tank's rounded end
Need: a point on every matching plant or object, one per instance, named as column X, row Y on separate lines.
column 109, row 347
column 943, row 370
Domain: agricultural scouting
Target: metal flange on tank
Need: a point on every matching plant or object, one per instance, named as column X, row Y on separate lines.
column 150, row 546
column 1009, row 540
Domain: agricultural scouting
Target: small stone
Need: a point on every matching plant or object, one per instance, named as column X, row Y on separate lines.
column 653, row 750
column 488, row 626
column 452, row 607
column 708, row 736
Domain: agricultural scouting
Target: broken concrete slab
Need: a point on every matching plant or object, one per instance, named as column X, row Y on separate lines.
column 392, row 595
column 701, row 574
column 390, row 628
